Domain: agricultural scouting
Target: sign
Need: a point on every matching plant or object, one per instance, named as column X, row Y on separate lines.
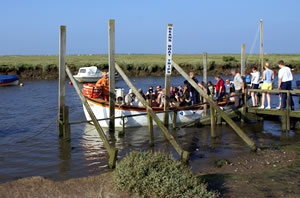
column 169, row 49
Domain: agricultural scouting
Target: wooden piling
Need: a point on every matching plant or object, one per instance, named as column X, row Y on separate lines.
column 111, row 63
column 261, row 47
column 150, row 126
column 212, row 121
column 61, row 79
column 204, row 56
column 66, row 124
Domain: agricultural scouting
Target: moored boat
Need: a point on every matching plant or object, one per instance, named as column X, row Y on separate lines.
column 89, row 74
column 6, row 80
column 134, row 115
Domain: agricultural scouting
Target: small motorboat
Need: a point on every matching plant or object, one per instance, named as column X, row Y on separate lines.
column 9, row 80
column 90, row 74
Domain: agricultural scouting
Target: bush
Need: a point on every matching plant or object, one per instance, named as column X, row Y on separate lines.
column 158, row 175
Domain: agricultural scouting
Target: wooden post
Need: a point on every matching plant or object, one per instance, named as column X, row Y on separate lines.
column 174, row 116
column 168, row 72
column 204, row 80
column 243, row 60
column 243, row 72
column 184, row 154
column 66, row 124
column 235, row 127
column 212, row 121
column 62, row 79
column 150, row 126
column 261, row 47
column 288, row 119
column 111, row 57
column 111, row 150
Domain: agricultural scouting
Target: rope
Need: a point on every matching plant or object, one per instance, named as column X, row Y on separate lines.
column 253, row 43
column 38, row 133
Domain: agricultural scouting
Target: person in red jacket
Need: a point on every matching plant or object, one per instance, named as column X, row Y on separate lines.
column 220, row 88
column 103, row 83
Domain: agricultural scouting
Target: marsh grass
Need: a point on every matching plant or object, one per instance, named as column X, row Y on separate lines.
column 146, row 63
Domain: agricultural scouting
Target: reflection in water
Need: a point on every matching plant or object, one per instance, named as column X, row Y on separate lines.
column 203, row 149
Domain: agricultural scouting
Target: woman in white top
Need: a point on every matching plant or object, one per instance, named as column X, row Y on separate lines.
column 254, row 85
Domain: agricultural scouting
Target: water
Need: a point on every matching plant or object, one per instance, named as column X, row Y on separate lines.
column 30, row 146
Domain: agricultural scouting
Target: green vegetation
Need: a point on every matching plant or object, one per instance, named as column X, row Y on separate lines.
column 158, row 175
column 143, row 64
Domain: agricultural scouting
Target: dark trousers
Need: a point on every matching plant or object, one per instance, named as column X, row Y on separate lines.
column 238, row 101
column 286, row 86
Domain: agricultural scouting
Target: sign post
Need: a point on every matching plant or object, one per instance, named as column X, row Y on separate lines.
column 168, row 72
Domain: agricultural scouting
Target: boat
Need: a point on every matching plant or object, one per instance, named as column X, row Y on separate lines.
column 132, row 115
column 90, row 74
column 9, row 79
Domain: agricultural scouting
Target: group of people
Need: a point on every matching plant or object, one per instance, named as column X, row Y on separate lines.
column 188, row 95
column 285, row 78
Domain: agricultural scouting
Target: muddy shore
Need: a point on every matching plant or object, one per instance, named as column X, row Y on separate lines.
column 266, row 173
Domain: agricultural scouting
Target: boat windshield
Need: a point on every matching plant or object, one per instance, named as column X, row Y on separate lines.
column 82, row 71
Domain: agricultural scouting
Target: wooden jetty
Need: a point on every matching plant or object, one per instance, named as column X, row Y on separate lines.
column 215, row 116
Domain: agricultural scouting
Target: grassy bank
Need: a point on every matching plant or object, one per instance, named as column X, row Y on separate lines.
column 137, row 64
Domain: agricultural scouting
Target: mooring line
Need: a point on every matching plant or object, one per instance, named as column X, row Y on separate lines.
column 38, row 133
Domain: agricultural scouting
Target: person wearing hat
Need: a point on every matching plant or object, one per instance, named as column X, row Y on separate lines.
column 103, row 83
column 268, row 76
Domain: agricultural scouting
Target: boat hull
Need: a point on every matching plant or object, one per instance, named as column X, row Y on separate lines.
column 136, row 116
column 8, row 80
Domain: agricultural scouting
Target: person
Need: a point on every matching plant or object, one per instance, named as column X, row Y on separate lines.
column 285, row 78
column 254, row 85
column 103, row 83
column 185, row 98
column 239, row 86
column 195, row 97
column 211, row 88
column 229, row 87
column 157, row 91
column 268, row 76
column 205, row 89
column 220, row 88
column 130, row 98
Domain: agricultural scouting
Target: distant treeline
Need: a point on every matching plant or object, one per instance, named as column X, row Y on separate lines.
column 46, row 67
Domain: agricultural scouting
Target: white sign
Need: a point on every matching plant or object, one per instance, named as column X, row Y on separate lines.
column 169, row 50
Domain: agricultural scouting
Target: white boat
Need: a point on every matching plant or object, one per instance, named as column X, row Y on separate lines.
column 135, row 116
column 9, row 80
column 90, row 74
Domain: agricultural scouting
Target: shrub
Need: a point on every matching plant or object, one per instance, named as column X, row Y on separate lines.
column 158, row 175
column 228, row 58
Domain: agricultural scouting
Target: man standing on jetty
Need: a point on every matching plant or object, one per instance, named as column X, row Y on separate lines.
column 239, row 87
column 285, row 78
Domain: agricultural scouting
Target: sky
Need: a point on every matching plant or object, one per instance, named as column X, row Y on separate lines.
column 32, row 27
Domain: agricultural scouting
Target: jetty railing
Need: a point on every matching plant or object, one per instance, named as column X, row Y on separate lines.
column 285, row 114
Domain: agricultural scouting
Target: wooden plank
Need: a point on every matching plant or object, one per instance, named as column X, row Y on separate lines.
column 184, row 154
column 111, row 150
column 234, row 126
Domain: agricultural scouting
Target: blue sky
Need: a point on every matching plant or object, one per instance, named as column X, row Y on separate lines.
column 31, row 27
